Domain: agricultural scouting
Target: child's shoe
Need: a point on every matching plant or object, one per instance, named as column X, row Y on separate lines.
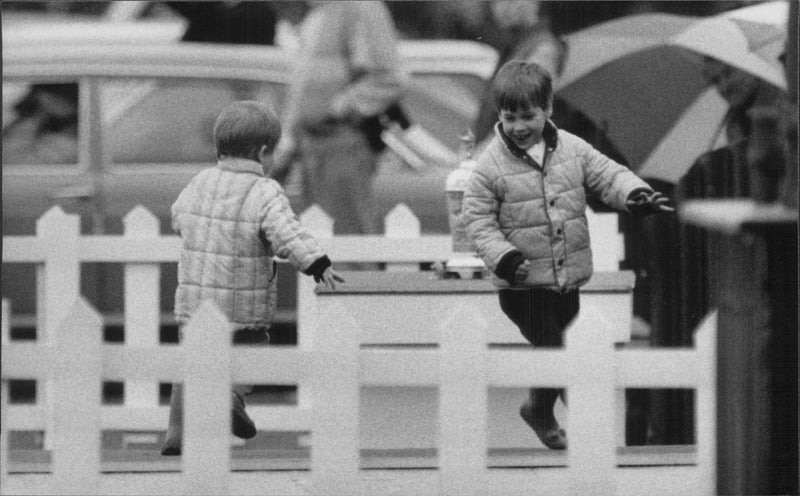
column 548, row 432
column 242, row 425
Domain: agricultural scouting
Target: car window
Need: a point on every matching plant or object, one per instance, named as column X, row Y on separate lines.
column 40, row 123
column 171, row 120
column 444, row 104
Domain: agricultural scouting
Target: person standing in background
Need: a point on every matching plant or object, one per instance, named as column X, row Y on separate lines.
column 347, row 75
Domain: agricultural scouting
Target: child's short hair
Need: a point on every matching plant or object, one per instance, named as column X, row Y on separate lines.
column 521, row 85
column 243, row 127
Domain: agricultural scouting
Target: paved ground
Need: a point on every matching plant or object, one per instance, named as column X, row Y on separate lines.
column 248, row 458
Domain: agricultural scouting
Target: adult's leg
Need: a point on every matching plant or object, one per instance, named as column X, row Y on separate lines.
column 339, row 170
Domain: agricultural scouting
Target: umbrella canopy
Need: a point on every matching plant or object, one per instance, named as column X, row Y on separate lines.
column 639, row 78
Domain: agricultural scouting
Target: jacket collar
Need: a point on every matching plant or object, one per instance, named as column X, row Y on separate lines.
column 235, row 164
column 550, row 135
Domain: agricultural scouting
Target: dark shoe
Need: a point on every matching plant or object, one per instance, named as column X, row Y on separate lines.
column 241, row 424
column 548, row 432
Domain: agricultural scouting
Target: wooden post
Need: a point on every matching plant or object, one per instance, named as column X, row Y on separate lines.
column 76, row 396
column 320, row 225
column 59, row 276
column 401, row 223
column 6, row 316
column 335, row 389
column 5, row 335
column 705, row 342
column 744, row 396
column 207, row 402
column 608, row 244
column 590, row 396
column 57, row 286
column 142, row 307
column 463, row 398
column 755, row 279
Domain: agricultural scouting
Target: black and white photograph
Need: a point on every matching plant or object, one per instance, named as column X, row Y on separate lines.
column 400, row 247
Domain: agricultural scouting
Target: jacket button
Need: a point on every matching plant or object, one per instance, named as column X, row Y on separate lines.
column 552, row 203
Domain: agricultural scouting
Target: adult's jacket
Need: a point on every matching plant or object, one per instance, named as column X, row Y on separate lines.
column 347, row 65
column 233, row 222
column 516, row 209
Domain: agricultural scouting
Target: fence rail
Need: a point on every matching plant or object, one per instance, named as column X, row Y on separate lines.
column 330, row 368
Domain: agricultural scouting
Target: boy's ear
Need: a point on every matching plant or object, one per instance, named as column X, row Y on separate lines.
column 263, row 153
column 265, row 158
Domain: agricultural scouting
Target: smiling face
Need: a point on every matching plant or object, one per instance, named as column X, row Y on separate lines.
column 524, row 125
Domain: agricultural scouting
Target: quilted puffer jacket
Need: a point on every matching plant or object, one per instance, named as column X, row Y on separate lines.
column 233, row 221
column 516, row 209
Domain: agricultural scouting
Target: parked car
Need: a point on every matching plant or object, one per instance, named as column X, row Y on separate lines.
column 100, row 126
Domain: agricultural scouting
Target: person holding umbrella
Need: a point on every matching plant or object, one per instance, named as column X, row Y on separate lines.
column 525, row 210
column 743, row 92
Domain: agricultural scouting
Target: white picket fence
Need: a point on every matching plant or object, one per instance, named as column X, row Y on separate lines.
column 59, row 250
column 329, row 367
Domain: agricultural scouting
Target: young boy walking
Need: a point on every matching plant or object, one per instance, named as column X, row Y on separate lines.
column 525, row 209
column 233, row 221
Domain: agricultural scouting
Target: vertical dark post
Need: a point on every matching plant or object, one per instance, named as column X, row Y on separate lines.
column 755, row 279
column 782, row 294
column 743, row 366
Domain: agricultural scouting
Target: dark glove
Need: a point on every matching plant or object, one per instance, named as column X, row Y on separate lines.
column 642, row 203
column 318, row 268
column 507, row 266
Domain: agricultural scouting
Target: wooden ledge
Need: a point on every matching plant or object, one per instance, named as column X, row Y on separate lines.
column 381, row 282
column 732, row 216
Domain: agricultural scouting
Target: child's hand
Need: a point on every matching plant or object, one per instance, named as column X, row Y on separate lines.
column 646, row 203
column 522, row 272
column 330, row 277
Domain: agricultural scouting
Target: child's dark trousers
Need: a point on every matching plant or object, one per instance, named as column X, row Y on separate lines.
column 540, row 314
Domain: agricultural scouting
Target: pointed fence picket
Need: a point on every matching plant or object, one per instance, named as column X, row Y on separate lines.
column 142, row 319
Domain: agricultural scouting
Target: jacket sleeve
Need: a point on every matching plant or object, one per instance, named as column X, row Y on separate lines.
column 288, row 238
column 611, row 181
column 479, row 214
column 179, row 207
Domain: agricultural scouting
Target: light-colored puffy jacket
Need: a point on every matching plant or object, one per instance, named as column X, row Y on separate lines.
column 513, row 203
column 233, row 221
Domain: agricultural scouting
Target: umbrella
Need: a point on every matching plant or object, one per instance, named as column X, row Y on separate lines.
column 639, row 78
